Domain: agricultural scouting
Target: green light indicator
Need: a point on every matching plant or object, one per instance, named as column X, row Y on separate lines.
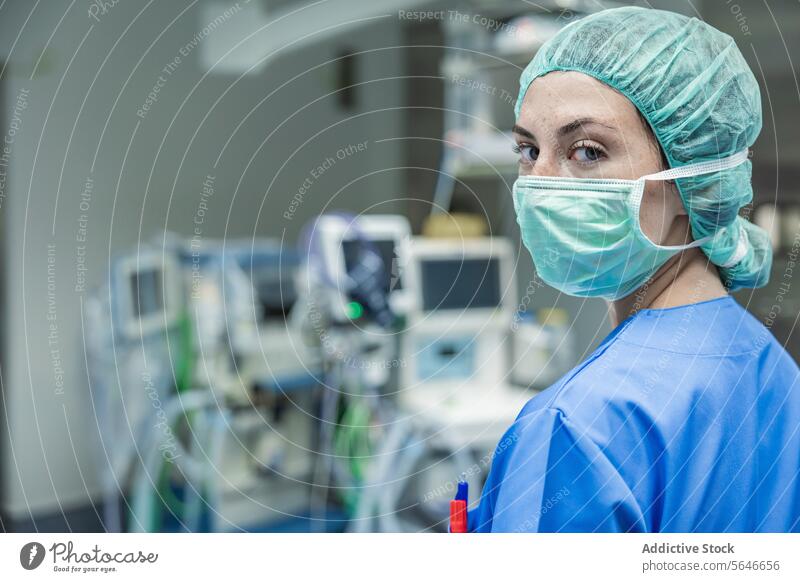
column 354, row 310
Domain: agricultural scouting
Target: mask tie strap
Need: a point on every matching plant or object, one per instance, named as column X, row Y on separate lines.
column 696, row 170
column 742, row 246
column 701, row 167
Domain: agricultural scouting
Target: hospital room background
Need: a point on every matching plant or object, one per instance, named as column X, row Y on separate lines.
column 261, row 269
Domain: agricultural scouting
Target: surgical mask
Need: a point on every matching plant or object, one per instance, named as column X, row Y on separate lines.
column 584, row 234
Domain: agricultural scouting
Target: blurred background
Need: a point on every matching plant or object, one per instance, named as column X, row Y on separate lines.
column 261, row 270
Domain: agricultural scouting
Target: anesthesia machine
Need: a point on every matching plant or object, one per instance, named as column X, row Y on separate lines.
column 346, row 384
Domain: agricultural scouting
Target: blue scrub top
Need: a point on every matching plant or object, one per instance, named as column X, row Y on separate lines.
column 683, row 420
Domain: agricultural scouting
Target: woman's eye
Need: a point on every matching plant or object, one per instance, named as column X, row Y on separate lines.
column 527, row 153
column 587, row 154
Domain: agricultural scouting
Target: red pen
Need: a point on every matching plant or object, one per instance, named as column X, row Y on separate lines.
column 458, row 516
column 458, row 509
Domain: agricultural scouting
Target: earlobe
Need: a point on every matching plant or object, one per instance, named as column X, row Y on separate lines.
column 681, row 209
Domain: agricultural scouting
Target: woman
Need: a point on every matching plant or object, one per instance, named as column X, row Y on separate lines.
column 687, row 417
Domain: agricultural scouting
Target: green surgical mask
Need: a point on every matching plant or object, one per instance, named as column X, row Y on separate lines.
column 584, row 234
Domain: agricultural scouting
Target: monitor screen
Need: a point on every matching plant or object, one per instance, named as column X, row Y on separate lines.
column 463, row 283
column 272, row 276
column 386, row 249
column 275, row 293
column 147, row 293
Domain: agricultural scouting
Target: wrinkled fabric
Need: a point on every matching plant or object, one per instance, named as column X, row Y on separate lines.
column 702, row 101
column 683, row 420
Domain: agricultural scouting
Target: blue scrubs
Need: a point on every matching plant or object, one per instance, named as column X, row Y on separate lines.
column 683, row 420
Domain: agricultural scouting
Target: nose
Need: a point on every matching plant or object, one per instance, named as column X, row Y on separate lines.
column 548, row 164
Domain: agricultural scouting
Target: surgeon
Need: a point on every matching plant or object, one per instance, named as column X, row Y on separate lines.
column 633, row 129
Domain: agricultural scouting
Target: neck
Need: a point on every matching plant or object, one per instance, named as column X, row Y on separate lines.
column 686, row 278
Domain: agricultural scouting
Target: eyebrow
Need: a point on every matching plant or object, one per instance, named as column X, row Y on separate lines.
column 571, row 127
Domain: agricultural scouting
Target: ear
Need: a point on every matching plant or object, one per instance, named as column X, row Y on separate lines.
column 680, row 209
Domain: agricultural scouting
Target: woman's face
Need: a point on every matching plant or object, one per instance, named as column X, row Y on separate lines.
column 573, row 125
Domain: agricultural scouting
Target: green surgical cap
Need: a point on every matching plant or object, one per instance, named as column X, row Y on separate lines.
column 693, row 86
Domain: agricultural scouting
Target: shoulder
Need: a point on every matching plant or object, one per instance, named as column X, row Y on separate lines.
column 614, row 395
column 532, row 443
column 613, row 377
